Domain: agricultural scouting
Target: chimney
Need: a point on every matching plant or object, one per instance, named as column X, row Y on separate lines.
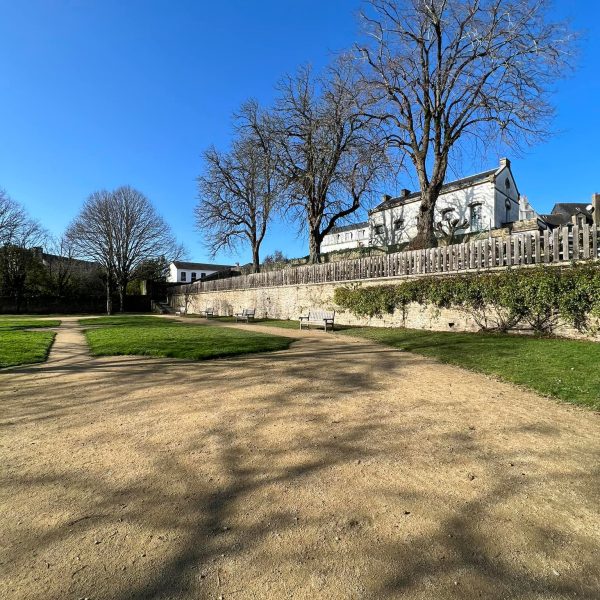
column 385, row 197
column 596, row 209
column 504, row 162
column 404, row 192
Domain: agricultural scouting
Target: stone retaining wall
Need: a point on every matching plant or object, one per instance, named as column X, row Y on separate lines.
column 289, row 302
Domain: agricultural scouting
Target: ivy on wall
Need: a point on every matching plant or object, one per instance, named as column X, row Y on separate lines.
column 498, row 301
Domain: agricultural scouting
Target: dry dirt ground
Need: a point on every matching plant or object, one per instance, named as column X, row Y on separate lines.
column 336, row 469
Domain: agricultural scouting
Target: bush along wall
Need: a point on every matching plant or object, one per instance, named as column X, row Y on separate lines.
column 537, row 298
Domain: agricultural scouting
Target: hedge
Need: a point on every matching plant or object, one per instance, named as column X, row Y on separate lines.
column 497, row 301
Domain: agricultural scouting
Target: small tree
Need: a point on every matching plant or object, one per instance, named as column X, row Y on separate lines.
column 331, row 153
column 240, row 189
column 445, row 73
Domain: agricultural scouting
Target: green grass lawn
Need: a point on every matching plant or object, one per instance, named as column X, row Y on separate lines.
column 154, row 336
column 566, row 369
column 268, row 322
column 18, row 347
column 122, row 320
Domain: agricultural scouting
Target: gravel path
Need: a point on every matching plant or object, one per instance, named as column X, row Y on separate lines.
column 336, row 469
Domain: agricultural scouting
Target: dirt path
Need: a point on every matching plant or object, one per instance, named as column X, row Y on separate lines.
column 336, row 469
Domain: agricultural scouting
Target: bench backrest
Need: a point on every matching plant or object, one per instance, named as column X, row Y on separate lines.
column 248, row 312
column 320, row 315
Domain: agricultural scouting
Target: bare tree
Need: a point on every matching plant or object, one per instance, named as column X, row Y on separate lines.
column 240, row 189
column 331, row 156
column 92, row 236
column 445, row 72
column 120, row 230
column 140, row 234
column 12, row 217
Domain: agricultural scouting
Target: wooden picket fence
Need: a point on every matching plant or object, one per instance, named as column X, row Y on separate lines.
column 569, row 243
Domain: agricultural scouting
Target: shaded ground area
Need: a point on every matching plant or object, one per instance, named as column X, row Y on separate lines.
column 335, row 469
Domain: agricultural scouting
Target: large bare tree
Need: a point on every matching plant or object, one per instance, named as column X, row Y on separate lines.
column 331, row 153
column 120, row 230
column 446, row 73
column 91, row 235
column 240, row 190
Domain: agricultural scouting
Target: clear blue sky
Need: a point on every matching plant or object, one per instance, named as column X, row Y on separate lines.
column 100, row 93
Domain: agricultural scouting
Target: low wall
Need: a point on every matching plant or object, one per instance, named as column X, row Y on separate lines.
column 289, row 302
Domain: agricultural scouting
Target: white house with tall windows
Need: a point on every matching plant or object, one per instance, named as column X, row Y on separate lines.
column 480, row 202
column 186, row 272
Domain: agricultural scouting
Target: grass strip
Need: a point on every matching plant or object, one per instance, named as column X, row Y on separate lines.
column 565, row 369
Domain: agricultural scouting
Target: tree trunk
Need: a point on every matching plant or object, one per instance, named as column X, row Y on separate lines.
column 121, row 297
column 314, row 247
column 425, row 237
column 255, row 259
column 108, row 296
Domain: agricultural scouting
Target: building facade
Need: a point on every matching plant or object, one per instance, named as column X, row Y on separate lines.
column 480, row 202
column 186, row 272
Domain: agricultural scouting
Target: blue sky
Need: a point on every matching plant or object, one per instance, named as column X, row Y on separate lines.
column 100, row 93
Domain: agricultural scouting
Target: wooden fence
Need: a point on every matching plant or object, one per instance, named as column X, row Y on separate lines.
column 549, row 247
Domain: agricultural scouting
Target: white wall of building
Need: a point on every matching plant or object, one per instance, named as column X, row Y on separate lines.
column 398, row 225
column 175, row 274
column 344, row 240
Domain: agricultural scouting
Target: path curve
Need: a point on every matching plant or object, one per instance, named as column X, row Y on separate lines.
column 336, row 469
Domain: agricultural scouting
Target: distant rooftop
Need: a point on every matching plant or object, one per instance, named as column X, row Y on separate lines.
column 350, row 227
column 180, row 264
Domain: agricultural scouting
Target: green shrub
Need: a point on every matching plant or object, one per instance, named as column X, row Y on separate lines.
column 497, row 301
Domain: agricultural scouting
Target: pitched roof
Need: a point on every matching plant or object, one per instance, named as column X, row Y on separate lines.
column 350, row 227
column 451, row 186
column 570, row 208
column 179, row 264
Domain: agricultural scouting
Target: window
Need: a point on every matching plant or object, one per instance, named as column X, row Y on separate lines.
column 476, row 217
column 202, row 275
column 379, row 229
column 193, row 276
column 507, row 183
column 183, row 276
column 398, row 224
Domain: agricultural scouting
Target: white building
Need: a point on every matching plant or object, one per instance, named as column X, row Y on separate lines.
column 484, row 201
column 186, row 272
column 347, row 236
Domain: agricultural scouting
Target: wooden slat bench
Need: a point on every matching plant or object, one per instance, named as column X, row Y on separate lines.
column 318, row 317
column 208, row 312
column 246, row 315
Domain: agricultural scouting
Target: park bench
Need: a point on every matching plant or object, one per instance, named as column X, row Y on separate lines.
column 208, row 312
column 318, row 317
column 246, row 315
